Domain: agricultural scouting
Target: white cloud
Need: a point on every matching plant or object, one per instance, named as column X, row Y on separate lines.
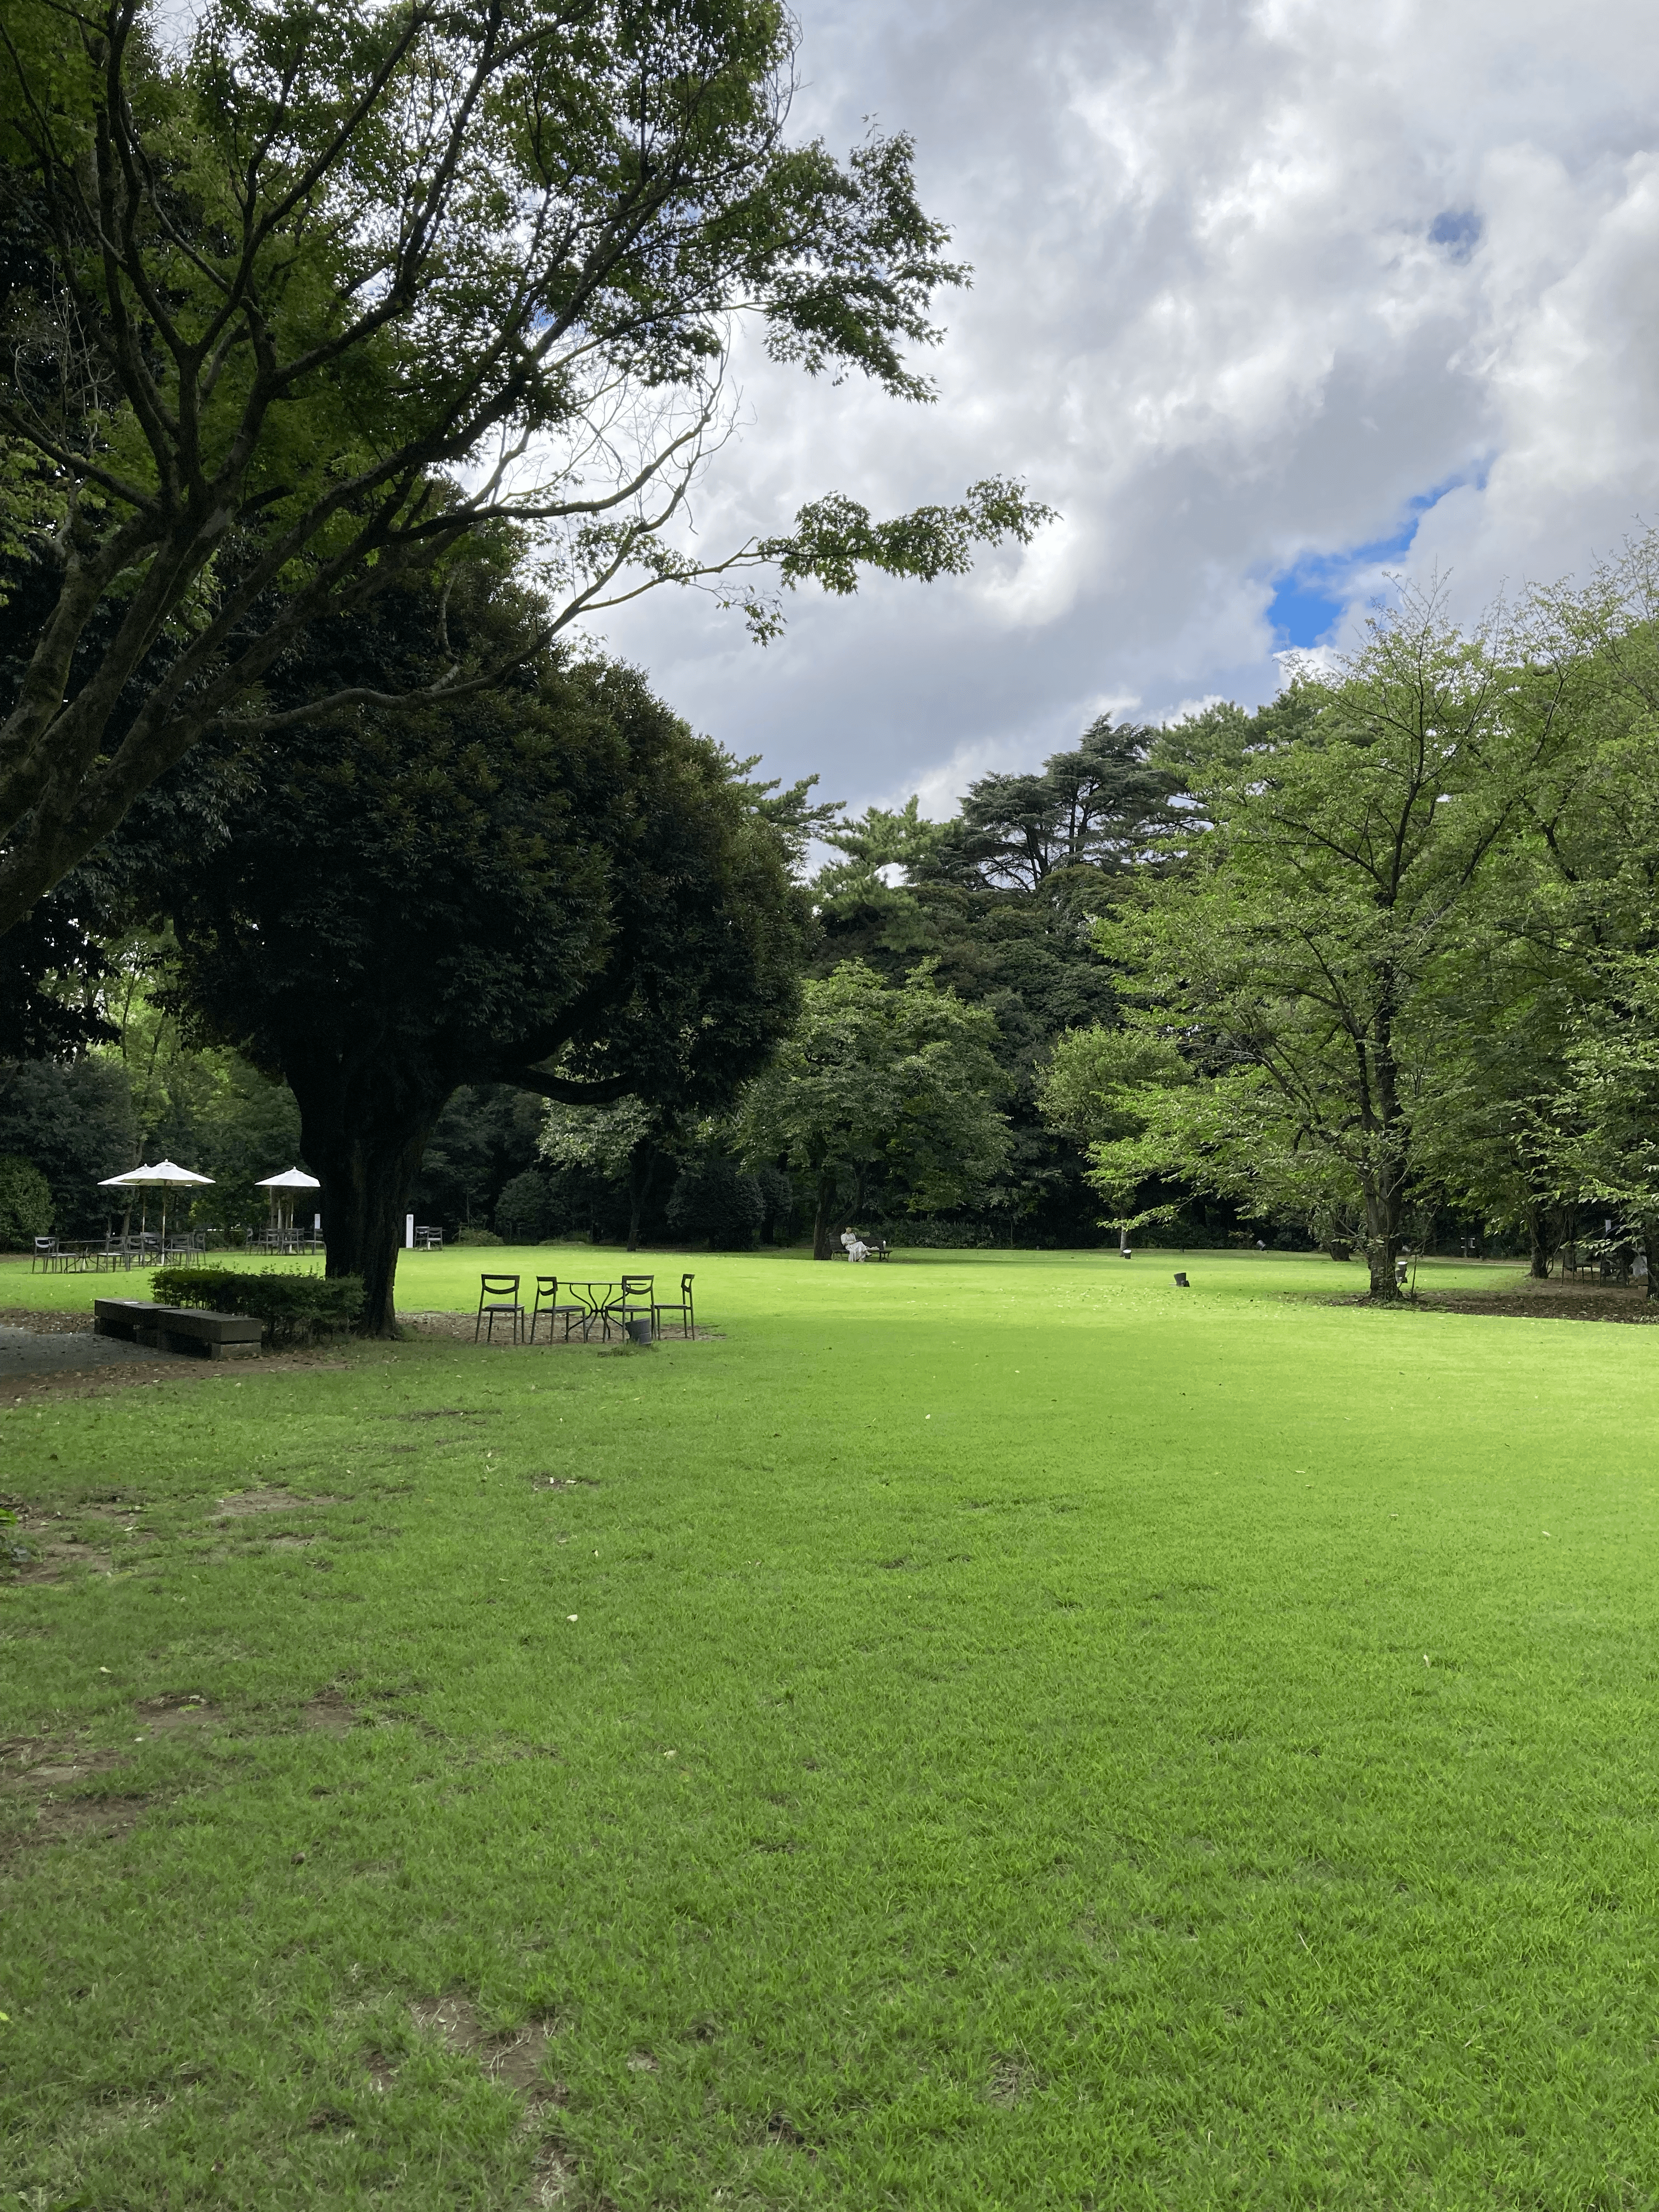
column 1250, row 280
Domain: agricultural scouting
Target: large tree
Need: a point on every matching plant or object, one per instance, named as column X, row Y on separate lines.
column 1337, row 849
column 1600, row 1141
column 290, row 312
column 891, row 1088
column 1101, row 807
column 999, row 899
column 556, row 886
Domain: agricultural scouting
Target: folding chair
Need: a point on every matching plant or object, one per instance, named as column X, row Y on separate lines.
column 547, row 1302
column 682, row 1306
column 498, row 1295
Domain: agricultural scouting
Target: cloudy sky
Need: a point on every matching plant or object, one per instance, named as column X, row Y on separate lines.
column 1269, row 300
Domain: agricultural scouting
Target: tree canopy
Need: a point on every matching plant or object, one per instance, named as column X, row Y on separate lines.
column 553, row 885
column 1401, row 954
column 294, row 307
column 877, row 1080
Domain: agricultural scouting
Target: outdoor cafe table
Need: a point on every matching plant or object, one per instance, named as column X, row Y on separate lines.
column 602, row 1302
column 599, row 1303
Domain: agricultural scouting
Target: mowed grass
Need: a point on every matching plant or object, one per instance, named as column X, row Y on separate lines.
column 1028, row 1736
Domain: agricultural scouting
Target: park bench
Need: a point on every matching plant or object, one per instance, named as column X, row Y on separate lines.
column 177, row 1329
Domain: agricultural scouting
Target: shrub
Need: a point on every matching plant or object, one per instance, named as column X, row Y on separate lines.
column 713, row 1198
column 290, row 1308
column 25, row 1204
column 476, row 1237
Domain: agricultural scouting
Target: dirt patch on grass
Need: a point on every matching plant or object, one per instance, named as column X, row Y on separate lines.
column 46, row 1323
column 551, row 2178
column 136, row 1374
column 62, row 1819
column 458, row 1327
column 32, row 1763
column 1554, row 1300
column 179, row 1709
column 1011, row 2082
column 1550, row 1300
column 39, row 1785
column 513, row 2059
column 50, row 1547
column 328, row 1714
column 245, row 1502
column 51, row 1553
column 442, row 1414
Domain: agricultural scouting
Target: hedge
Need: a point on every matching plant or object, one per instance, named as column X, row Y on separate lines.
column 289, row 1307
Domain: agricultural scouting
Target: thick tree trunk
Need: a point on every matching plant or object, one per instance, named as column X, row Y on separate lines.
column 822, row 1246
column 1650, row 1250
column 1538, row 1235
column 1382, row 1176
column 1382, row 1235
column 641, row 1173
column 366, row 1149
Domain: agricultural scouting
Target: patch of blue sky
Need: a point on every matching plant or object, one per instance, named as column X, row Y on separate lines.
column 1458, row 230
column 1313, row 594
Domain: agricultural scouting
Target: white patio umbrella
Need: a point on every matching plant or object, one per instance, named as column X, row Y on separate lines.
column 291, row 1179
column 165, row 1175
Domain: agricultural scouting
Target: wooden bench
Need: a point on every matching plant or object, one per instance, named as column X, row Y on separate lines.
column 178, row 1328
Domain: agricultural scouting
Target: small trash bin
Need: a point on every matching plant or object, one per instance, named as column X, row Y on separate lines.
column 639, row 1329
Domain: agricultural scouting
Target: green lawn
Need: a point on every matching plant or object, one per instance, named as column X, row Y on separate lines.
column 1027, row 1736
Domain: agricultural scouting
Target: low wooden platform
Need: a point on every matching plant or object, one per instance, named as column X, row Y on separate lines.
column 178, row 1328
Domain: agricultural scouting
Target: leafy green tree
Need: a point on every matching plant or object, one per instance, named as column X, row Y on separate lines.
column 893, row 1086
column 1567, row 914
column 72, row 1120
column 1337, row 850
column 293, row 312
column 713, row 1198
column 484, row 1140
column 632, row 1142
column 557, row 888
column 1599, row 1143
column 1103, row 807
column 25, row 1203
column 999, row 899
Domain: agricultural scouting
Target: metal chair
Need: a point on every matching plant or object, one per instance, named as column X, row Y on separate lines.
column 682, row 1306
column 547, row 1302
column 635, row 1301
column 498, row 1295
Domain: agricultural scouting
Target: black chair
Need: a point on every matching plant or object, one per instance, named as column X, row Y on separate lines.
column 547, row 1302
column 498, row 1295
column 682, row 1306
column 635, row 1301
